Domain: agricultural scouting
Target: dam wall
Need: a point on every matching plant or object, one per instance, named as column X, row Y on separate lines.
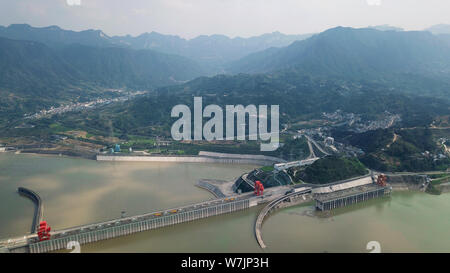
column 241, row 156
column 203, row 157
column 84, row 235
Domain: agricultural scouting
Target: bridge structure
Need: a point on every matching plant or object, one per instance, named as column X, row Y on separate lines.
column 326, row 196
column 298, row 196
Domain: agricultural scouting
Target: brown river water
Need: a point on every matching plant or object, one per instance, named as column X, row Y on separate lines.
column 79, row 191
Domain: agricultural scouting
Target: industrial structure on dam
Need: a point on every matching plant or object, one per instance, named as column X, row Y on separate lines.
column 352, row 192
column 326, row 197
column 274, row 188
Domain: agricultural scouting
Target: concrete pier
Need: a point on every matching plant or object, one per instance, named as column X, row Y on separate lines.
column 213, row 189
column 38, row 211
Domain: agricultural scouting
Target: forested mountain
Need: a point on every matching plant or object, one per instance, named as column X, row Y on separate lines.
column 439, row 29
column 299, row 97
column 213, row 50
column 35, row 68
column 356, row 54
column 35, row 76
column 55, row 36
column 365, row 72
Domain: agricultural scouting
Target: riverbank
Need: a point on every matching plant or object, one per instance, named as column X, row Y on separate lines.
column 68, row 153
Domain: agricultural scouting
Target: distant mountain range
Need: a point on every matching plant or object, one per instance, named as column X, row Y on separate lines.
column 34, row 67
column 369, row 72
column 55, row 36
column 355, row 53
column 214, row 49
column 48, row 63
column 153, row 59
column 209, row 50
column 439, row 29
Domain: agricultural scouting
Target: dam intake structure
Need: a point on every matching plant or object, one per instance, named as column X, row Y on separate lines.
column 327, row 197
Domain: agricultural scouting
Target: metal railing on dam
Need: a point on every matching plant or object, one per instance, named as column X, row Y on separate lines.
column 129, row 225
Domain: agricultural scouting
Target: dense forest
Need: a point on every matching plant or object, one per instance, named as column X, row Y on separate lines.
column 330, row 169
column 365, row 72
column 412, row 150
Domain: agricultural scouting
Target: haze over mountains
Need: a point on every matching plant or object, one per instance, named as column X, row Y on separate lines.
column 214, row 49
column 439, row 29
column 44, row 65
column 360, row 52
column 28, row 66
column 265, row 53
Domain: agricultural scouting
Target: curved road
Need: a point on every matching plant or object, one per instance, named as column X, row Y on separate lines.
column 272, row 205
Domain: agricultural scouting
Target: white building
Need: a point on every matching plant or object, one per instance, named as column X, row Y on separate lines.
column 329, row 141
column 284, row 166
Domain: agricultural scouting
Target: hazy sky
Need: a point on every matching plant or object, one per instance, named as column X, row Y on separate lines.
column 189, row 18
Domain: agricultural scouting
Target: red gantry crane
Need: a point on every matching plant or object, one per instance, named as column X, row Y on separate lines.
column 381, row 180
column 259, row 188
column 44, row 231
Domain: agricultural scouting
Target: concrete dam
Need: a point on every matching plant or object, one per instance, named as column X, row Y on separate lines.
column 129, row 225
column 327, row 197
column 202, row 157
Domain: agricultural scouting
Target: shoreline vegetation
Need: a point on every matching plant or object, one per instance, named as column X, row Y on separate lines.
column 440, row 182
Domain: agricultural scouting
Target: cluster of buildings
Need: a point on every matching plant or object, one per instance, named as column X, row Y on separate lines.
column 341, row 118
column 383, row 123
column 355, row 123
column 287, row 165
column 79, row 106
column 434, row 156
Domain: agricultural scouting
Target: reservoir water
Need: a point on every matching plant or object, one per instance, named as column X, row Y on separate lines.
column 79, row 191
